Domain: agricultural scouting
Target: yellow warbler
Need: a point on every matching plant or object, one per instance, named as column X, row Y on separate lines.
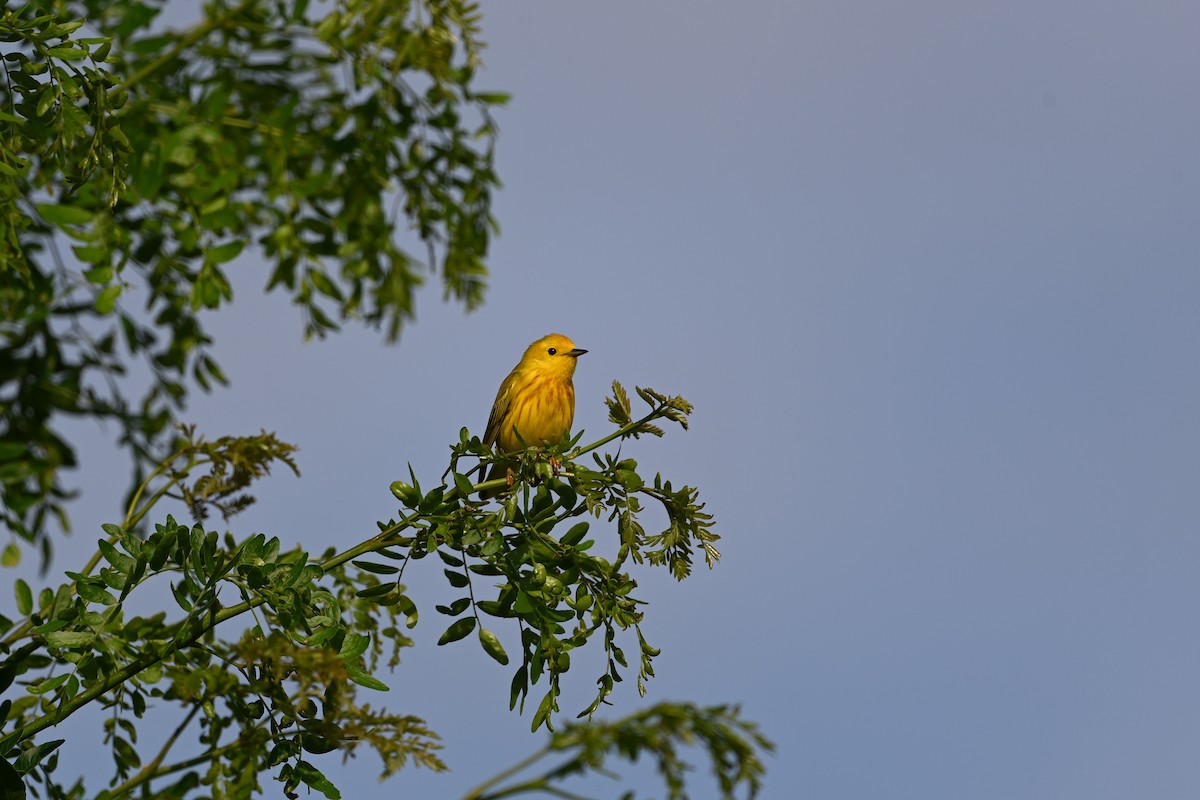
column 536, row 402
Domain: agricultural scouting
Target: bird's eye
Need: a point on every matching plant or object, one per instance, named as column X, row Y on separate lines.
column 553, row 351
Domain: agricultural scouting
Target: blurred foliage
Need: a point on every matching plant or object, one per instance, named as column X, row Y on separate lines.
column 137, row 163
column 732, row 744
column 286, row 689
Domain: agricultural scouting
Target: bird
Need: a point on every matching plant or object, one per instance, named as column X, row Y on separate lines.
column 536, row 402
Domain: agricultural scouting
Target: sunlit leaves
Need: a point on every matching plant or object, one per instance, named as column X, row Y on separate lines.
column 343, row 143
column 562, row 596
column 324, row 627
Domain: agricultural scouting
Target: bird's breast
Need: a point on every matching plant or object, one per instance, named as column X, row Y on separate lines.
column 541, row 413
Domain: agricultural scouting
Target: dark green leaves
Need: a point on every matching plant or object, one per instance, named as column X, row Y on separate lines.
column 69, row 639
column 457, row 630
column 575, row 534
column 35, row 755
column 406, row 493
column 225, row 252
column 456, row 579
column 92, row 589
column 316, row 780
column 323, row 630
column 560, row 594
column 352, row 154
column 11, row 785
column 457, row 607
column 165, row 163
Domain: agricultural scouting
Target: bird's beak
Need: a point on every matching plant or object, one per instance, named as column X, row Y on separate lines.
column 576, row 353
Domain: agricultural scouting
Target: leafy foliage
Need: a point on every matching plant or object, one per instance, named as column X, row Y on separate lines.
column 322, row 628
column 136, row 164
column 732, row 744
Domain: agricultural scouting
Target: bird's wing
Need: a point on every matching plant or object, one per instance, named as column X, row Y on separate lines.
column 499, row 411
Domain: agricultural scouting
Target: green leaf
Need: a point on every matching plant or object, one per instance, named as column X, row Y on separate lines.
column 11, row 785
column 458, row 630
column 69, row 53
column 519, row 688
column 576, row 534
column 313, row 778
column 94, row 593
column 49, row 685
column 24, row 597
column 11, row 557
column 106, row 301
column 524, row 603
column 61, row 29
column 364, row 679
column 630, row 480
column 463, row 484
column 69, row 639
column 492, row 645
column 457, row 579
column 406, row 493
column 49, row 95
column 322, row 636
column 52, row 625
column 431, row 501
column 316, row 744
column 409, row 609
column 378, row 590
column 495, row 608
column 32, row 757
column 543, row 711
column 121, row 562
column 64, row 215
column 125, row 753
column 492, row 98
column 457, row 607
column 379, row 569
column 12, row 450
column 226, row 252
column 96, row 275
column 353, row 646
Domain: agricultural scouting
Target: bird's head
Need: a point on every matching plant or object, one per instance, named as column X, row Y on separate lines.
column 554, row 354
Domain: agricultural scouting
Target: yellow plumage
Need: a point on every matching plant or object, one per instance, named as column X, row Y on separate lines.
column 536, row 402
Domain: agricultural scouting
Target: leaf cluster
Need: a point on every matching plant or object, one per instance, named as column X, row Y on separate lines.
column 731, row 743
column 137, row 163
column 271, row 698
column 286, row 689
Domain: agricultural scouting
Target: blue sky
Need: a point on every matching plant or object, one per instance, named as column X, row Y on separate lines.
column 929, row 273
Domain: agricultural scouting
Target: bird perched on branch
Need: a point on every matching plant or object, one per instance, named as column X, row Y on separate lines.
column 536, row 402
